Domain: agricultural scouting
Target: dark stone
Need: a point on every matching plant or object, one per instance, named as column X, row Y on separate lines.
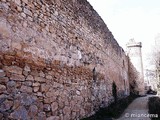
column 5, row 104
column 11, row 84
column 47, row 107
column 4, row 79
column 11, row 87
column 26, row 99
column 42, row 116
column 33, row 110
column 20, row 114
column 1, row 116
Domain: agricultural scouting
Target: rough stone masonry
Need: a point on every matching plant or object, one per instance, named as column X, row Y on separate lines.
column 58, row 60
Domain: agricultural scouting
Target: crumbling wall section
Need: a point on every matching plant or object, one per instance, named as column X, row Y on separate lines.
column 58, row 60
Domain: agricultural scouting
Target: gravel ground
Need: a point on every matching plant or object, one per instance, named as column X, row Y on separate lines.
column 137, row 110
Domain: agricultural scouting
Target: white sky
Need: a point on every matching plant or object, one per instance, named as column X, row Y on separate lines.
column 126, row 19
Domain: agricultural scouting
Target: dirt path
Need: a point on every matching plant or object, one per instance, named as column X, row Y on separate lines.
column 137, row 110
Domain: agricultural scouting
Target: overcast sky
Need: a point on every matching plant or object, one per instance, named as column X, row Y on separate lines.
column 126, row 19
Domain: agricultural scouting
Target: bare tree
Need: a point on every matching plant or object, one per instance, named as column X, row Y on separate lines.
column 155, row 60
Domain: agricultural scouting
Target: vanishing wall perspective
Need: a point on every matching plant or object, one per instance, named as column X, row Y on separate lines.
column 58, row 60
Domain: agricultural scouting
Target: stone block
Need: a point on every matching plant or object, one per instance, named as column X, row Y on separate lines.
column 28, row 83
column 49, row 77
column 2, row 88
column 26, row 89
column 35, row 89
column 53, row 118
column 34, row 73
column 40, row 79
column 54, row 107
column 41, row 74
column 47, row 107
column 6, row 105
column 39, row 94
column 27, row 68
column 9, row 57
column 18, row 2
column 27, row 11
column 41, row 116
column 19, row 113
column 67, row 110
column 26, row 99
column 17, row 77
column 33, row 111
column 44, row 88
column 16, row 45
column 14, row 69
column 30, row 78
column 2, row 73
column 23, row 15
column 19, row 9
column 11, row 84
column 25, row 1
column 36, row 84
column 4, row 79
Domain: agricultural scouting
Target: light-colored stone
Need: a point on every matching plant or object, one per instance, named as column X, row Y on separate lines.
column 40, row 79
column 14, row 69
column 16, row 45
column 49, row 77
column 23, row 15
column 19, row 8
column 41, row 74
column 78, row 92
column 3, row 0
column 18, row 2
column 36, row 84
column 25, row 24
column 54, row 106
column 39, row 94
column 27, row 68
column 27, row 11
column 35, row 89
column 30, row 78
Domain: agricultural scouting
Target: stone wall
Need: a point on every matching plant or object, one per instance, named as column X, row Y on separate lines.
column 58, row 60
